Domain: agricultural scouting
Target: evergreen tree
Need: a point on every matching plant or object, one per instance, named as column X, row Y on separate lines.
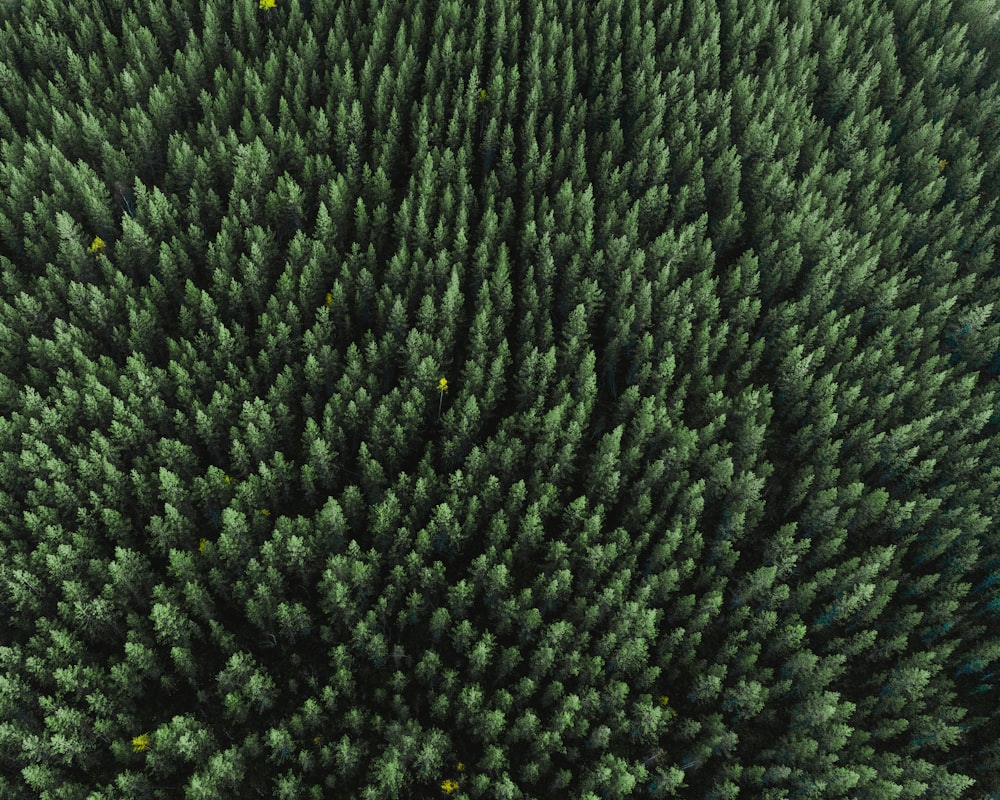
column 704, row 299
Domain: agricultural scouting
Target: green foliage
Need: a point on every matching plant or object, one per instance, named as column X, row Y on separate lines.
column 706, row 508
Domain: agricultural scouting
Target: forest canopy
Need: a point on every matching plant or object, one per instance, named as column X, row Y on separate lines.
column 519, row 400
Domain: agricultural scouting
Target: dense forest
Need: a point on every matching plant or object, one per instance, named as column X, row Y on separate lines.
column 536, row 400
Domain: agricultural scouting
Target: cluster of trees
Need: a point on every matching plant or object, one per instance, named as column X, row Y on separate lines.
column 523, row 400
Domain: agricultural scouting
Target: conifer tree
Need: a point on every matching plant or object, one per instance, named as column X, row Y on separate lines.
column 703, row 300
